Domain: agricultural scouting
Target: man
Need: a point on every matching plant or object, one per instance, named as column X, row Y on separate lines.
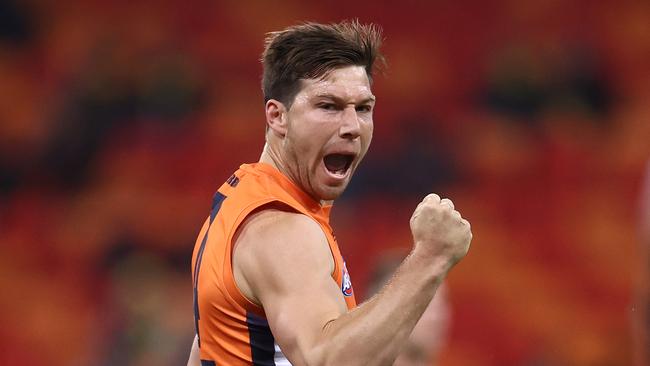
column 269, row 280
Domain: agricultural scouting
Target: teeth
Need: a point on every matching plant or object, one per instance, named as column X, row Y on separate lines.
column 339, row 172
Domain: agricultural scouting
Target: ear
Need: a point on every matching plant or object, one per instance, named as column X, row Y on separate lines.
column 276, row 117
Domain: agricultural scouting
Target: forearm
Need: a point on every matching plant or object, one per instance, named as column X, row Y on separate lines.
column 311, row 322
column 373, row 333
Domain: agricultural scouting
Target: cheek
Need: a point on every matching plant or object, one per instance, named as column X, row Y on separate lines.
column 366, row 138
column 367, row 134
column 315, row 134
column 304, row 141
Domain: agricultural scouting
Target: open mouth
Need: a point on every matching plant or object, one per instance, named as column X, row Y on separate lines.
column 338, row 164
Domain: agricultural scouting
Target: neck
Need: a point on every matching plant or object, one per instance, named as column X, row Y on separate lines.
column 271, row 158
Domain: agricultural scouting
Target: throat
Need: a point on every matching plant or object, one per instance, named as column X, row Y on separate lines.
column 337, row 163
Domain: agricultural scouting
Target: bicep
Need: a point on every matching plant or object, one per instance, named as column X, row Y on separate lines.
column 299, row 313
column 289, row 272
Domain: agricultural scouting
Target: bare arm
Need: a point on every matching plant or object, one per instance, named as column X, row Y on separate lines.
column 282, row 261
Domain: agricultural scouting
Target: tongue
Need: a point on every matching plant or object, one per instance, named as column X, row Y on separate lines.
column 336, row 163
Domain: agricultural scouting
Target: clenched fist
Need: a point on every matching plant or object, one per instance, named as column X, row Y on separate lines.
column 439, row 230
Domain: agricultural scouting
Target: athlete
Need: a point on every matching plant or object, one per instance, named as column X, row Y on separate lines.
column 270, row 285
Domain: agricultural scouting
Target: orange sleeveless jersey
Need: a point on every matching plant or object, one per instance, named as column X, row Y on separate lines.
column 231, row 329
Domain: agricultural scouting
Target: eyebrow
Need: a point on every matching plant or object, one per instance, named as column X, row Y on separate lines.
column 337, row 99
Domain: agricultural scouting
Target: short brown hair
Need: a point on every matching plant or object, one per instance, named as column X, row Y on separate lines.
column 312, row 50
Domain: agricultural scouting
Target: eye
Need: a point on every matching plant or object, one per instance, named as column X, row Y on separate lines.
column 327, row 106
column 366, row 108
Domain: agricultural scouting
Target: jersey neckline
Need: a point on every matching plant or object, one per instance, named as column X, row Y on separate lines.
column 321, row 212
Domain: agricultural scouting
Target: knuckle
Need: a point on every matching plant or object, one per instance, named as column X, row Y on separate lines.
column 447, row 202
column 432, row 196
column 430, row 205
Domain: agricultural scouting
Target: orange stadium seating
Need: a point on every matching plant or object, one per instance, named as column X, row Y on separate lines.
column 119, row 119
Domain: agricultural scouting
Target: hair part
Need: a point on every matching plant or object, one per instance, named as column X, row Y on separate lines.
column 311, row 50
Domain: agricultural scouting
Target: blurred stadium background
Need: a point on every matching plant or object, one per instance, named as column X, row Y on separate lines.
column 119, row 119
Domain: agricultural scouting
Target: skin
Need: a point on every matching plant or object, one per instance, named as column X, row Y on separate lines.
column 428, row 336
column 332, row 115
column 430, row 333
column 310, row 321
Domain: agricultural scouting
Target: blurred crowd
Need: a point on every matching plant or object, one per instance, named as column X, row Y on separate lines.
column 118, row 120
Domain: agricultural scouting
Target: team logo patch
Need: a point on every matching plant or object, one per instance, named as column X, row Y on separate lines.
column 346, row 286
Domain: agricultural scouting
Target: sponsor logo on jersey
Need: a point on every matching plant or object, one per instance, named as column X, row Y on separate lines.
column 346, row 286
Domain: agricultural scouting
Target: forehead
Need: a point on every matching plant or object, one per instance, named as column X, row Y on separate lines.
column 350, row 82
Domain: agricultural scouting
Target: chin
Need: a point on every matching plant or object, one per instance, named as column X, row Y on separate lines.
column 330, row 193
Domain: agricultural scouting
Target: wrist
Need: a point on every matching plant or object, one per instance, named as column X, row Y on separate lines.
column 434, row 266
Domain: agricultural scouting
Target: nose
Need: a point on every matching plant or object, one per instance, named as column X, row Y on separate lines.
column 350, row 125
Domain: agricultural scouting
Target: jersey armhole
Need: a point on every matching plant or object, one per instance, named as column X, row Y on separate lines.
column 229, row 276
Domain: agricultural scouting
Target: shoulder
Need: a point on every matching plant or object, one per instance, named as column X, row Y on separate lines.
column 276, row 225
column 276, row 245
